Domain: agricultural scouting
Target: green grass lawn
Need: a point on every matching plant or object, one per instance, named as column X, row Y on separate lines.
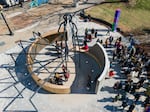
column 132, row 19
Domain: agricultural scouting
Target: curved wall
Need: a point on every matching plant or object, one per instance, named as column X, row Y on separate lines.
column 38, row 45
column 101, row 56
column 97, row 52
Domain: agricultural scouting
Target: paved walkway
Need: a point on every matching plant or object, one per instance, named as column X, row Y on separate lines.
column 34, row 21
column 17, row 97
column 17, row 87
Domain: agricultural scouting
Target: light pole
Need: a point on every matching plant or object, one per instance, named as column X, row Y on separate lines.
column 10, row 32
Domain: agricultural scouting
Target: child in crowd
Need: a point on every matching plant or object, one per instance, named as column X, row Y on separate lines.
column 85, row 45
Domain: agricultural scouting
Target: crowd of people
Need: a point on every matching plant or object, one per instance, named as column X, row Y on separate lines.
column 134, row 63
column 89, row 35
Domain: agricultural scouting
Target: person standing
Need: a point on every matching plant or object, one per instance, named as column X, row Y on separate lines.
column 89, row 17
column 137, row 96
column 20, row 3
column 86, row 32
column 117, row 97
column 108, row 32
column 92, row 31
column 85, row 45
column 111, row 73
column 111, row 39
column 124, row 104
column 106, row 42
column 131, row 108
column 95, row 33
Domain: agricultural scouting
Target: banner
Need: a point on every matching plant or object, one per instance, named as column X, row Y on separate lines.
column 116, row 19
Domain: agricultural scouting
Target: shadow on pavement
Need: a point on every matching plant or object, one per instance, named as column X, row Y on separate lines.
column 108, row 89
column 113, row 108
column 106, row 100
column 87, row 71
column 23, row 75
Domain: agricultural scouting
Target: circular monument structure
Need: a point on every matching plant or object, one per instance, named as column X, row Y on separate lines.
column 67, row 67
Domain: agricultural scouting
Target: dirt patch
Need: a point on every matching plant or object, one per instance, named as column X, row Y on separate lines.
column 21, row 21
column 63, row 1
column 27, row 18
column 3, row 27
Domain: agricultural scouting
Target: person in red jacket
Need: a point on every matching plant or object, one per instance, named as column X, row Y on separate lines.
column 85, row 46
column 111, row 73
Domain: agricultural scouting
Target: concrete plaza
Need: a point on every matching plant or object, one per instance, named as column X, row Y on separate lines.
column 19, row 93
